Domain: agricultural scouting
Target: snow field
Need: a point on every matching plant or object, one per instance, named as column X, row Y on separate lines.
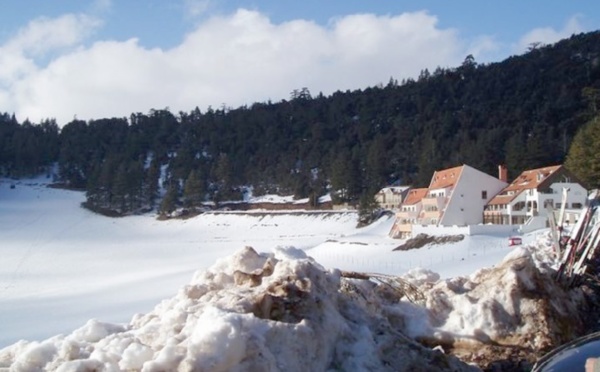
column 65, row 265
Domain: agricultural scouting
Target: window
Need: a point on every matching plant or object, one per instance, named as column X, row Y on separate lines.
column 519, row 206
column 484, row 194
column 577, row 206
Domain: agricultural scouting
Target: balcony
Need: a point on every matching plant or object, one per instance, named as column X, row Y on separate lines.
column 488, row 212
column 403, row 227
column 425, row 217
column 439, row 202
column 407, row 215
column 496, row 218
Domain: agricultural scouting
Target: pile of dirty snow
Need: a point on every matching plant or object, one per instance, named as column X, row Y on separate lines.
column 516, row 305
column 250, row 312
column 284, row 312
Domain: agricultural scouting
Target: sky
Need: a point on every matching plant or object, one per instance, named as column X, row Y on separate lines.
column 93, row 59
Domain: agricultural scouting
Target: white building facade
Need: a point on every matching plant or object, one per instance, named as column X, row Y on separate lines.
column 526, row 200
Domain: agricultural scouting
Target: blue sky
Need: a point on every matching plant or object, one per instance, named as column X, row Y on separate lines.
column 103, row 58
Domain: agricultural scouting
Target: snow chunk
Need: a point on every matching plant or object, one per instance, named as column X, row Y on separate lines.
column 289, row 253
column 516, row 303
column 35, row 356
column 419, row 276
column 135, row 355
column 81, row 366
column 94, row 331
column 250, row 311
column 217, row 342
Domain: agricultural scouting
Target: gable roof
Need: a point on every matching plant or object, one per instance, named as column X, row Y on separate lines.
column 414, row 196
column 394, row 189
column 445, row 178
column 529, row 179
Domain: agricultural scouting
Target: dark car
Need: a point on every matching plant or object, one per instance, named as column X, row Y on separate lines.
column 571, row 356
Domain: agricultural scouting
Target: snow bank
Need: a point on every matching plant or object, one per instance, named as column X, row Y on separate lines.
column 250, row 312
column 516, row 303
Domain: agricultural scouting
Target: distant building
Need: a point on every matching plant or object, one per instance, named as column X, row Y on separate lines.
column 455, row 196
column 525, row 200
column 391, row 197
column 408, row 214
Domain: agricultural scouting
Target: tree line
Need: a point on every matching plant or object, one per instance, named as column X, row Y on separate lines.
column 523, row 112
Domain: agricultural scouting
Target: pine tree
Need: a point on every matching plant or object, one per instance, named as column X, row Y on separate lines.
column 194, row 190
column 583, row 158
column 150, row 191
column 223, row 173
column 120, row 188
column 367, row 209
column 169, row 201
column 340, row 174
column 515, row 154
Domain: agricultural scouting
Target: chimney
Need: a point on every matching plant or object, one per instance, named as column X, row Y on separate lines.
column 502, row 173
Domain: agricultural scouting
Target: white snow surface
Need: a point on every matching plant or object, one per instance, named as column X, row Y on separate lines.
column 95, row 283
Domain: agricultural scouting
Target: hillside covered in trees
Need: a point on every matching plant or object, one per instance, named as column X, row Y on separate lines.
column 523, row 112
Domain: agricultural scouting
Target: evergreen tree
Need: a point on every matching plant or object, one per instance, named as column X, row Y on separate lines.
column 194, row 190
column 135, row 185
column 368, row 209
column 150, row 192
column 169, row 201
column 583, row 158
column 223, row 173
column 121, row 189
column 522, row 112
column 515, row 154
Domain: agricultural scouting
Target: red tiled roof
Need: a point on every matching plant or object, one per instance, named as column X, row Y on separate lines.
column 529, row 179
column 414, row 196
column 445, row 178
column 503, row 199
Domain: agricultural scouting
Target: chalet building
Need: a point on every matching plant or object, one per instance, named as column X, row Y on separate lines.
column 391, row 197
column 408, row 214
column 525, row 200
column 455, row 196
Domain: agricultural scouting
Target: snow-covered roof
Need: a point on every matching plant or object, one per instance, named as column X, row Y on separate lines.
column 394, row 189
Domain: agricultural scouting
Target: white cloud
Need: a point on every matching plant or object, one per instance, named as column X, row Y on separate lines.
column 44, row 34
column 40, row 37
column 236, row 59
column 548, row 35
column 195, row 8
column 484, row 48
